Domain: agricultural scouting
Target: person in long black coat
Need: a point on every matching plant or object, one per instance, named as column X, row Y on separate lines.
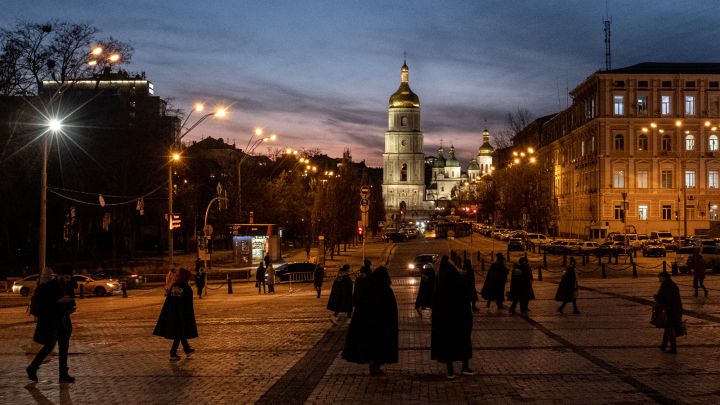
column 521, row 286
column 200, row 281
column 494, row 287
column 668, row 299
column 426, row 290
column 53, row 303
column 451, row 331
column 373, row 333
column 362, row 282
column 260, row 278
column 567, row 290
column 341, row 295
column 469, row 273
column 177, row 317
column 318, row 279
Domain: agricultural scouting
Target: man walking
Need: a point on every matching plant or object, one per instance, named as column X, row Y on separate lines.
column 699, row 266
column 260, row 279
column 318, row 278
column 200, row 277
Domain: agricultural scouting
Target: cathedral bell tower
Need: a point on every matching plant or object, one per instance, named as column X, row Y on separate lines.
column 404, row 159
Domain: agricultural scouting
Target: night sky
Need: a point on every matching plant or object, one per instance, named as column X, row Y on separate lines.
column 319, row 73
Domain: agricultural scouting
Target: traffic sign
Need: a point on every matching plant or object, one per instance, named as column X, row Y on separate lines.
column 364, row 190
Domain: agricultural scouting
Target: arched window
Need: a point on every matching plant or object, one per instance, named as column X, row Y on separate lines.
column 666, row 143
column 403, row 121
column 713, row 143
column 403, row 172
column 619, row 142
column 689, row 142
column 643, row 142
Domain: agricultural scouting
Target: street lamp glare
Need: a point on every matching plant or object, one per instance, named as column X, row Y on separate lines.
column 55, row 125
column 678, row 123
column 114, row 57
column 199, row 107
column 258, row 131
column 531, row 150
column 92, row 62
column 707, row 123
column 220, row 112
column 532, row 160
column 273, row 137
column 176, row 156
column 97, row 51
column 654, row 125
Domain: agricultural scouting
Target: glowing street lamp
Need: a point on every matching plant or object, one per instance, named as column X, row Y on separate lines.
column 54, row 126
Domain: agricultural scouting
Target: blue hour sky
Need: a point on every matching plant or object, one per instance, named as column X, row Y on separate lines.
column 319, row 73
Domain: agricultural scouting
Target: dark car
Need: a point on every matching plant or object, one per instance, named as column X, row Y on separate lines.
column 415, row 267
column 611, row 248
column 515, row 245
column 132, row 280
column 394, row 237
column 300, row 272
column 654, row 248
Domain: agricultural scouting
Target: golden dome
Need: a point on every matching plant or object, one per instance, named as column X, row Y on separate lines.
column 404, row 97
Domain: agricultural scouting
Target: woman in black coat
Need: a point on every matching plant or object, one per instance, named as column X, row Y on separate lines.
column 450, row 338
column 668, row 300
column 341, row 294
column 426, row 290
column 177, row 317
column 521, row 286
column 373, row 333
column 567, row 290
column 469, row 274
column 494, row 287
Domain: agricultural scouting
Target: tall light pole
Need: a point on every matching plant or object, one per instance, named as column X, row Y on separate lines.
column 53, row 126
column 255, row 140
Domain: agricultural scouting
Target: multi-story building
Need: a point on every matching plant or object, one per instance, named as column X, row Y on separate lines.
column 637, row 150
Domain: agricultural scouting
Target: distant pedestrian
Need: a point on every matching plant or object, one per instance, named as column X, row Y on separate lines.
column 427, row 289
column 668, row 312
column 699, row 266
column 52, row 304
column 494, row 287
column 318, row 278
column 373, row 333
column 270, row 272
column 177, row 317
column 469, row 273
column 568, row 288
column 521, row 290
column 451, row 320
column 362, row 282
column 260, row 278
column 169, row 280
column 198, row 265
column 200, row 278
column 341, row 295
column 266, row 260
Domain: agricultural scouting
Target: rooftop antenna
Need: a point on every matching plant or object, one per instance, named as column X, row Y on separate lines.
column 404, row 57
column 606, row 23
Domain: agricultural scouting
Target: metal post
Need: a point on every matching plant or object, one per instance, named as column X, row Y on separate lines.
column 170, row 213
column 229, row 283
column 685, row 210
column 602, row 269
column 240, row 187
column 539, row 273
column 634, row 270
column 664, row 266
column 44, row 276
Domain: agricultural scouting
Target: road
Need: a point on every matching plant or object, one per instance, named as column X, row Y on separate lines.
column 283, row 349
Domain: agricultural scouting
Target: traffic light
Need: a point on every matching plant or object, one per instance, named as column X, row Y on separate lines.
column 360, row 231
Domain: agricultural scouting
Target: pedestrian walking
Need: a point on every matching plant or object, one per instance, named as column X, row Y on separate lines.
column 362, row 281
column 270, row 272
column 521, row 290
column 200, row 278
column 318, row 278
column 169, row 280
column 568, row 288
column 260, row 278
column 667, row 312
column 699, row 266
column 469, row 273
column 52, row 304
column 373, row 333
column 266, row 260
column 494, row 286
column 177, row 317
column 427, row 289
column 451, row 330
column 341, row 295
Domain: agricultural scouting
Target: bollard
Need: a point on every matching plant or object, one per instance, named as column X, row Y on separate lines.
column 479, row 256
column 634, row 270
column 674, row 269
column 631, row 259
column 616, row 258
column 123, row 287
column 539, row 273
column 482, row 265
column 544, row 257
column 664, row 266
column 564, row 260
column 599, row 256
column 635, row 252
column 82, row 291
column 602, row 268
column 229, row 283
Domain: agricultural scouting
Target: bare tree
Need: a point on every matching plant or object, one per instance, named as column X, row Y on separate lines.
column 518, row 120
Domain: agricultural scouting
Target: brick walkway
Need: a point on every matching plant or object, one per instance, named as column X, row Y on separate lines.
column 283, row 349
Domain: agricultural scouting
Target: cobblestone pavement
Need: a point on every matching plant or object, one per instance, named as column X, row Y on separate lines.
column 283, row 349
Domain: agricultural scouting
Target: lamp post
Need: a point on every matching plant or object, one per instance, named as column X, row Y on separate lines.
column 253, row 142
column 53, row 126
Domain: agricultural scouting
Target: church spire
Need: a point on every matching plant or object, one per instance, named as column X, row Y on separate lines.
column 404, row 73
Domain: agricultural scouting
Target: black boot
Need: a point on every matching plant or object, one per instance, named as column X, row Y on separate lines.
column 32, row 373
column 66, row 378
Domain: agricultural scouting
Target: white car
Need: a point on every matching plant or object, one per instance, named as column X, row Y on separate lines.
column 97, row 287
column 26, row 285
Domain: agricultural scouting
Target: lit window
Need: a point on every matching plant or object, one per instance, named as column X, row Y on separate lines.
column 642, row 212
column 713, row 210
column 689, row 105
column 665, row 107
column 641, row 179
column 666, row 180
column 689, row 142
column 619, row 179
column 666, row 143
column 618, row 102
column 713, row 143
column 690, row 178
column 713, row 179
column 643, row 142
column 642, row 104
column 619, row 142
column 667, row 212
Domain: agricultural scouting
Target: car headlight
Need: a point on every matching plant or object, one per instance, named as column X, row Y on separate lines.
column 411, row 266
column 111, row 285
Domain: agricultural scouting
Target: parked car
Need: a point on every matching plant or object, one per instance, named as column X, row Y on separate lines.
column 557, row 246
column 654, row 248
column 131, row 279
column 26, row 285
column 98, row 287
column 411, row 233
column 415, row 267
column 589, row 247
column 298, row 271
column 611, row 248
column 536, row 239
column 394, row 237
column 710, row 254
column 666, row 238
column 516, row 245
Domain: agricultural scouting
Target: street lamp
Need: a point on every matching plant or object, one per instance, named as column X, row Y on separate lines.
column 253, row 142
column 54, row 126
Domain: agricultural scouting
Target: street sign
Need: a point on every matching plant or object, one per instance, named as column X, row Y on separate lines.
column 364, row 191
